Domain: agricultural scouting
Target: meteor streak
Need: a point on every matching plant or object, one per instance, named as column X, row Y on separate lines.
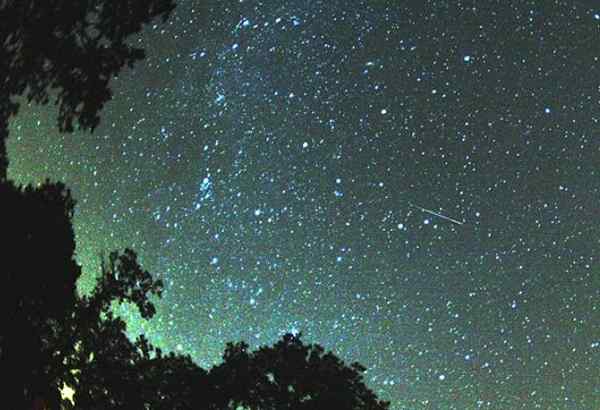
column 429, row 211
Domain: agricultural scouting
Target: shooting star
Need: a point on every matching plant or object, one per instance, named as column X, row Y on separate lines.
column 429, row 211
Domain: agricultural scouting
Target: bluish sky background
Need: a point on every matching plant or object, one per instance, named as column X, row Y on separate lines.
column 413, row 184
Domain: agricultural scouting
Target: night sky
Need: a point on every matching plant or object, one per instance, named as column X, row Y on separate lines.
column 413, row 184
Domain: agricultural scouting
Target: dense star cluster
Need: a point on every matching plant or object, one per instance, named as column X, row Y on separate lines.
column 414, row 184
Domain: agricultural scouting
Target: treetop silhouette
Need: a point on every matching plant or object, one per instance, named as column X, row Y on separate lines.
column 50, row 336
column 67, row 51
column 290, row 375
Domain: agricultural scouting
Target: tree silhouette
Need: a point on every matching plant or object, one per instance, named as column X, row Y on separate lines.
column 103, row 356
column 39, row 298
column 111, row 371
column 46, row 329
column 67, row 51
column 50, row 336
column 290, row 375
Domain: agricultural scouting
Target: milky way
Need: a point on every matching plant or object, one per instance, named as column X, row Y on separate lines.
column 413, row 184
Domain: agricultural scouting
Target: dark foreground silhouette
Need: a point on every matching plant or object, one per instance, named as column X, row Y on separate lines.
column 67, row 51
column 50, row 336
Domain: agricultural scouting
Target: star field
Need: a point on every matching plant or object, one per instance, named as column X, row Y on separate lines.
column 415, row 185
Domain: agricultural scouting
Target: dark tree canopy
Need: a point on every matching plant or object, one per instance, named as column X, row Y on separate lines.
column 38, row 277
column 46, row 328
column 67, row 51
column 290, row 375
column 51, row 336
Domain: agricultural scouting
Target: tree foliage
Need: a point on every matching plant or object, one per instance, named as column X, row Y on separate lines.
column 51, row 336
column 47, row 330
column 290, row 375
column 67, row 51
column 38, row 276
